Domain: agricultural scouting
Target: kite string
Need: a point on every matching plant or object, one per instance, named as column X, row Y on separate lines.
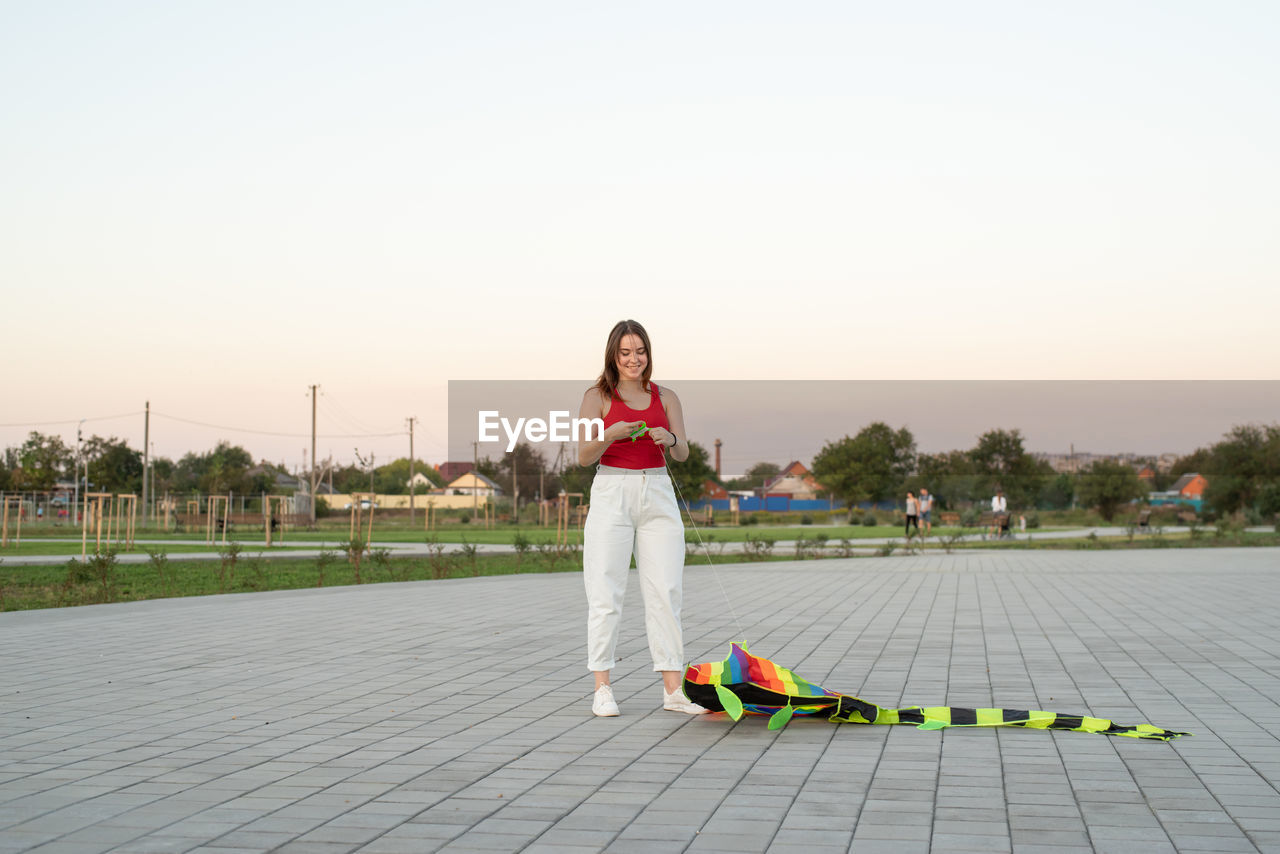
column 705, row 551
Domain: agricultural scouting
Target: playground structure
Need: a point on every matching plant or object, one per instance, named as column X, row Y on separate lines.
column 358, row 500
column 120, row 512
column 14, row 500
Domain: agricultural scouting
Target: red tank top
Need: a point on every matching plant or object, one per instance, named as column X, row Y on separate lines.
column 643, row 453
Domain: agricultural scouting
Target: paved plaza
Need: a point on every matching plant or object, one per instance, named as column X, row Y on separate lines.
column 455, row 715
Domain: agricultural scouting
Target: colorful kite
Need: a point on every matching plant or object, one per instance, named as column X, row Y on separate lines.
column 743, row 683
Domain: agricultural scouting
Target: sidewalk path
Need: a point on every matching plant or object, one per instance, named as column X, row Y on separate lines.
column 455, row 715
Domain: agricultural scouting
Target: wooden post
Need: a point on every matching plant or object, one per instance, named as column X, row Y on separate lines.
column 4, row 538
column 97, row 517
column 214, row 501
column 125, row 512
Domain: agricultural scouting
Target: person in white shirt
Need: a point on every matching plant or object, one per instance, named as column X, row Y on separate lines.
column 999, row 507
column 926, row 510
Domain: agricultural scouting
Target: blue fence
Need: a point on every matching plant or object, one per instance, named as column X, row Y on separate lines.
column 785, row 504
column 1193, row 503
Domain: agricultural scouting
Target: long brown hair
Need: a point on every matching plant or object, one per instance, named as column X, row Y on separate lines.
column 608, row 381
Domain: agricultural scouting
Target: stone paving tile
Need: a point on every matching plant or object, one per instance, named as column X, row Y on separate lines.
column 420, row 717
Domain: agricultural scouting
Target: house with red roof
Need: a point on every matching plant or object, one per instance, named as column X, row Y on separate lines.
column 1190, row 486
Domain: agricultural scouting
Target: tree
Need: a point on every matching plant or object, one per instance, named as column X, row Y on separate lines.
column 1243, row 469
column 870, row 466
column 393, row 478
column 1057, row 493
column 1109, row 485
column 41, row 461
column 112, row 465
column 221, row 470
column 691, row 473
column 531, row 473
column 164, row 475
column 350, row 478
column 755, row 477
column 1003, row 463
column 949, row 477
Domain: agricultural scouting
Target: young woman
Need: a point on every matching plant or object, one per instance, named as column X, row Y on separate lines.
column 633, row 509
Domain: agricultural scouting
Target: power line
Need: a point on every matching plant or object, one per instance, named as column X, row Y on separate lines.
column 71, row 421
column 276, row 432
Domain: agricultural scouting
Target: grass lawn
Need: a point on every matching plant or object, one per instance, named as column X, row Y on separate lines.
column 71, row 548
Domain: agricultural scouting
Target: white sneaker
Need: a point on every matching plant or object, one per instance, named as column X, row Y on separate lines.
column 604, row 705
column 676, row 701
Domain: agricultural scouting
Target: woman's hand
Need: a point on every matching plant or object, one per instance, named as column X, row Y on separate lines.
column 662, row 436
column 621, row 430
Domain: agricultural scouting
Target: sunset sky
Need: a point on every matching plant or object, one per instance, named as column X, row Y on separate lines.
column 214, row 205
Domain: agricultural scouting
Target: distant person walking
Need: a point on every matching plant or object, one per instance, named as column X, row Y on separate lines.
column 999, row 511
column 913, row 515
column 926, row 510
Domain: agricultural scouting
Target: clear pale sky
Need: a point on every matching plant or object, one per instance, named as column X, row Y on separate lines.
column 213, row 205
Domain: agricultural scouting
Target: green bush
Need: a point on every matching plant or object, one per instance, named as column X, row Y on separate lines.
column 1033, row 520
column 806, row 519
column 869, row 520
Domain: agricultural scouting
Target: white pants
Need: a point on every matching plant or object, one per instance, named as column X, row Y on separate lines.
column 633, row 510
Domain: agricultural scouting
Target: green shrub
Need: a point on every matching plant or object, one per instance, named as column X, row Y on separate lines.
column 869, row 520
column 806, row 519
column 1033, row 520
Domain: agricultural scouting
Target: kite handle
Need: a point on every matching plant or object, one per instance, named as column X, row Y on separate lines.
column 639, row 431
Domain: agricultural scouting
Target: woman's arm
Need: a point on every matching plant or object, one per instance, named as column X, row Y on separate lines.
column 591, row 450
column 675, row 417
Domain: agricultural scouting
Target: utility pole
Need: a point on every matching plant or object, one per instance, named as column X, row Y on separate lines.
column 475, row 481
column 75, row 511
column 515, row 487
column 146, row 461
column 411, row 419
column 313, row 480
